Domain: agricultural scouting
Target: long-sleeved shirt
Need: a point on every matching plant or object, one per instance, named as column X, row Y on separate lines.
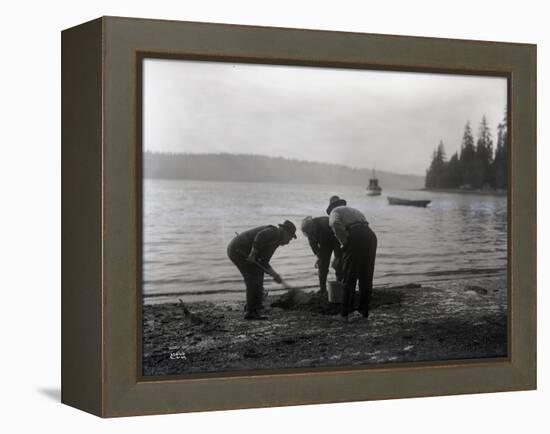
column 321, row 236
column 340, row 218
column 263, row 239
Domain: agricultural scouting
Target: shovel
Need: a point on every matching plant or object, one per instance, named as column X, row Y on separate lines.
column 266, row 270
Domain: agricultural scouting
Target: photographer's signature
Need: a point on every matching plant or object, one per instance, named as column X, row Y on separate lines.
column 178, row 355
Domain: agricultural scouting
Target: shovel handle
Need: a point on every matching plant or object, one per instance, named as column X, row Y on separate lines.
column 265, row 270
column 285, row 285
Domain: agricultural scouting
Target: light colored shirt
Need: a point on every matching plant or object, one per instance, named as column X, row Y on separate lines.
column 341, row 217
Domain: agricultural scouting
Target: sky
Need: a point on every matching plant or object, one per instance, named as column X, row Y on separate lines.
column 386, row 120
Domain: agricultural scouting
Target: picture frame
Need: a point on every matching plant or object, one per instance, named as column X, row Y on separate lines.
column 101, row 220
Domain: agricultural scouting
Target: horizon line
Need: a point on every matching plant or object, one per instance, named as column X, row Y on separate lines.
column 283, row 158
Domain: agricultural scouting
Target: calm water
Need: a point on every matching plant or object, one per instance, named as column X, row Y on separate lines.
column 188, row 224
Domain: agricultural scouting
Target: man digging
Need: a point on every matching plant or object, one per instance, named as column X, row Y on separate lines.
column 251, row 251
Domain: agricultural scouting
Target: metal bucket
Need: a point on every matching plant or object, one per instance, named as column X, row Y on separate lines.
column 335, row 292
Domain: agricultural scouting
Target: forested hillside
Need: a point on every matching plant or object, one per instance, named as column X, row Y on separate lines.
column 258, row 168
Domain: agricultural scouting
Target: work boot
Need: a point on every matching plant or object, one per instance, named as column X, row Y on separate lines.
column 322, row 285
column 262, row 307
column 364, row 311
column 254, row 316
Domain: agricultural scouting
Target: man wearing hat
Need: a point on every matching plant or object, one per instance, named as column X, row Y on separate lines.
column 251, row 251
column 323, row 242
column 358, row 243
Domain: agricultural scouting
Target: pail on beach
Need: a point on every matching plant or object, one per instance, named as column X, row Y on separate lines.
column 335, row 292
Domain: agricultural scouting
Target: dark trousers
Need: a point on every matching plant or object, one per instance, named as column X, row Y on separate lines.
column 253, row 278
column 323, row 265
column 358, row 257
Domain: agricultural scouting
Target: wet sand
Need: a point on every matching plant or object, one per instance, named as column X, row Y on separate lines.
column 444, row 321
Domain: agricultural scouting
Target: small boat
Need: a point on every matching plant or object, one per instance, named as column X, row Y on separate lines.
column 408, row 202
column 373, row 188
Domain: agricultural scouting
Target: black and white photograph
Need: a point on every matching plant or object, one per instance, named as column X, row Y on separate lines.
column 278, row 216
column 306, row 217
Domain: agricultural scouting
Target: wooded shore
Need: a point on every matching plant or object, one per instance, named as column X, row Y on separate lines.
column 467, row 191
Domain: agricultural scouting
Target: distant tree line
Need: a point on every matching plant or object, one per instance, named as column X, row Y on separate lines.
column 477, row 166
column 259, row 168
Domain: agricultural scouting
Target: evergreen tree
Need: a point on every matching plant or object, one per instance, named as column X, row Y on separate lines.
column 436, row 174
column 500, row 164
column 467, row 156
column 454, row 172
column 476, row 166
column 430, row 175
column 483, row 159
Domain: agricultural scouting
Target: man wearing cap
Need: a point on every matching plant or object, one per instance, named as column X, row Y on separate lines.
column 323, row 243
column 251, row 251
column 358, row 243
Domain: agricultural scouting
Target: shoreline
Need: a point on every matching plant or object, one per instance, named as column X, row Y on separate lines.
column 239, row 295
column 499, row 193
column 447, row 321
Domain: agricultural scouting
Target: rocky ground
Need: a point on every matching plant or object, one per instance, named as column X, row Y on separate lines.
column 445, row 321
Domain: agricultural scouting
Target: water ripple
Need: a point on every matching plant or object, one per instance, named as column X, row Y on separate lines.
column 188, row 224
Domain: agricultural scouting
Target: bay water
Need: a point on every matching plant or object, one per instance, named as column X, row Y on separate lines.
column 187, row 225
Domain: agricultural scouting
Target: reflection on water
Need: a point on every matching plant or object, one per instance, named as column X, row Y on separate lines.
column 188, row 224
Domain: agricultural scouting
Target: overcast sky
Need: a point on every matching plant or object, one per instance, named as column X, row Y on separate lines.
column 388, row 120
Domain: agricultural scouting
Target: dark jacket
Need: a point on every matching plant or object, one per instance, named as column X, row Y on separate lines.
column 321, row 236
column 265, row 239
